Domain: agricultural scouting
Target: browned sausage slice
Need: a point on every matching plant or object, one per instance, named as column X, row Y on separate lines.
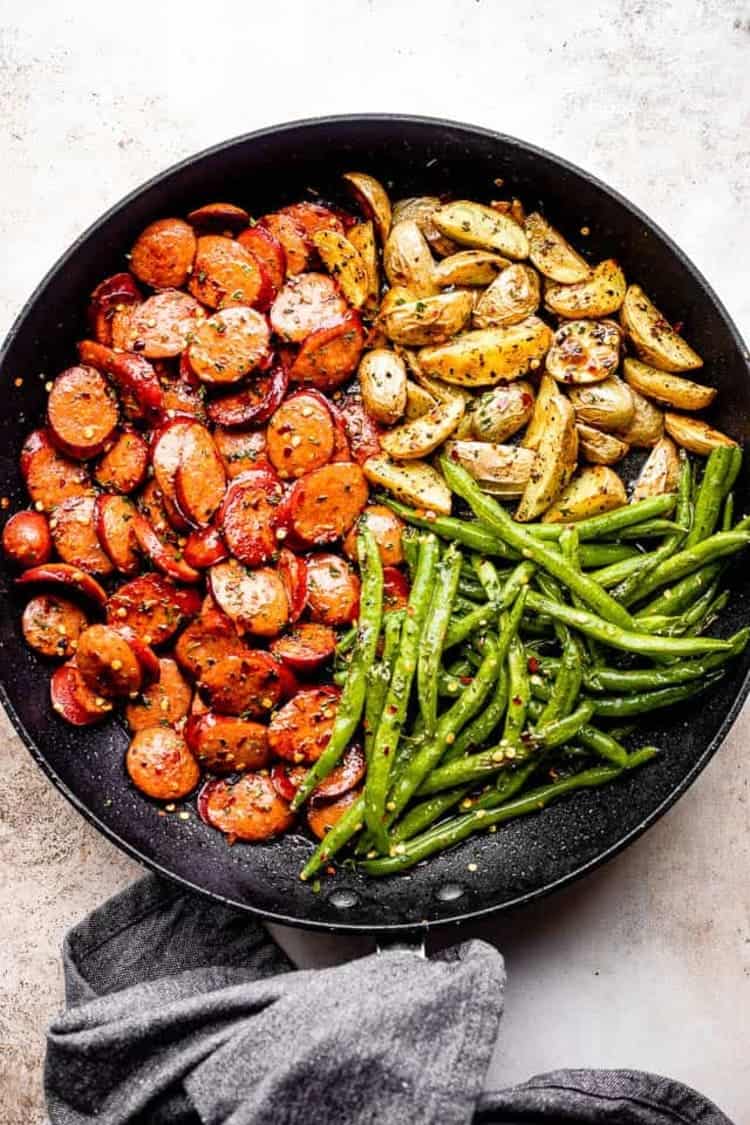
column 208, row 640
column 26, row 539
column 219, row 218
column 324, row 504
column 332, row 590
column 254, row 403
column 81, row 412
column 164, row 555
column 254, row 599
column 330, row 355
column 301, row 435
column 135, row 377
column 122, row 467
column 181, row 397
column 120, row 289
column 159, row 328
column 225, row 273
column 160, row 765
column 113, row 521
column 301, row 729
column 387, row 529
column 249, row 516
column 269, row 252
column 291, row 237
column 51, row 478
column 52, row 625
column 229, row 345
column 162, row 256
column 67, row 576
column 153, row 607
column 306, row 646
column 248, row 685
column 307, row 302
column 108, row 663
column 165, row 701
column 73, row 528
column 205, row 548
column 166, row 454
column 151, row 503
column 312, row 217
column 324, row 815
column 200, row 480
column 241, row 452
column 246, row 809
column 227, row 744
column 72, row 700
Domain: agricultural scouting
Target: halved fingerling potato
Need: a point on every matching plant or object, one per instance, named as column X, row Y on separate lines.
column 653, row 338
column 608, row 405
column 592, row 491
column 473, row 224
column 414, row 482
column 373, row 199
column 667, row 389
column 512, row 297
column 489, row 355
column 419, row 438
column 417, row 321
column 503, row 470
column 382, row 380
column 694, row 435
column 552, row 254
column 554, row 461
column 469, row 267
column 600, row 294
column 362, row 238
column 418, row 401
column 599, row 447
column 584, row 351
column 647, row 424
column 407, row 260
column 535, row 430
column 343, row 261
column 421, row 209
column 660, row 472
column 499, row 413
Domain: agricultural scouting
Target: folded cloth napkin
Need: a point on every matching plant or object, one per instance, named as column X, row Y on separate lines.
column 181, row 1011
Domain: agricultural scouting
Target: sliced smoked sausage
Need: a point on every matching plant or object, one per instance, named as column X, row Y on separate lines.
column 52, row 625
column 107, row 662
column 50, row 477
column 307, row 302
column 228, row 345
column 332, row 590
column 301, row 729
column 330, row 355
column 26, row 539
column 267, row 249
column 167, row 700
column 82, row 412
column 322, row 816
column 153, row 607
column 386, row 528
column 160, row 765
column 73, row 699
column 246, row 809
column 300, row 435
column 256, row 600
column 162, row 256
column 73, row 528
column 159, row 328
column 227, row 744
column 249, row 516
column 122, row 467
column 247, row 684
column 324, row 504
column 225, row 273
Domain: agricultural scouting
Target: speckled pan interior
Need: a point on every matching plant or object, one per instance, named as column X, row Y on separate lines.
column 528, row 857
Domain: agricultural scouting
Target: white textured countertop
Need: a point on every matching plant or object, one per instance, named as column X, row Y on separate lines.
column 647, row 962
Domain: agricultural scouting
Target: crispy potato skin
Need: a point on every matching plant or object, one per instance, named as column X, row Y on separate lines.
column 608, row 405
column 488, row 356
column 382, row 381
column 599, row 447
column 407, row 260
column 513, row 296
column 652, row 336
column 503, row 470
column 592, row 491
column 417, row 439
column 418, row 321
column 552, row 255
column 660, row 472
column 667, row 389
column 344, row 262
column 555, row 460
column 646, row 426
column 416, row 483
column 693, row 434
column 473, row 224
column 599, row 295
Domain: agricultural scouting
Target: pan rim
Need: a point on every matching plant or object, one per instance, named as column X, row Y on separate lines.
column 397, row 928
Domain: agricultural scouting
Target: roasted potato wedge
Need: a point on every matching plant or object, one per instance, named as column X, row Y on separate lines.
column 694, row 435
column 667, row 389
column 469, row 267
column 608, row 405
column 499, row 413
column 503, row 470
column 653, row 338
column 598, row 447
column 601, row 294
column 418, row 321
column 584, row 351
column 407, row 260
column 418, row 401
column 660, row 472
column 511, row 298
column 535, row 429
column 362, row 238
column 489, row 355
column 382, row 380
column 343, row 261
column 419, row 438
column 552, row 254
column 646, row 426
column 373, row 199
column 592, row 491
column 473, row 224
column 415, row 482
column 421, row 209
column 554, row 460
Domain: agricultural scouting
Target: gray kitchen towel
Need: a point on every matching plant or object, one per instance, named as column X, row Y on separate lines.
column 182, row 1012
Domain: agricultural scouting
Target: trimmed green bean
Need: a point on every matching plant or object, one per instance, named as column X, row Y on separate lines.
column 518, row 693
column 337, row 838
column 461, row 628
column 433, row 635
column 727, row 512
column 488, row 577
column 597, row 555
column 649, row 529
column 713, row 488
column 381, row 676
column 690, row 559
column 608, row 523
column 624, row 706
column 455, row 530
column 682, row 594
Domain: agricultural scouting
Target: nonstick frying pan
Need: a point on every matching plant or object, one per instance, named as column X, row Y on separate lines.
column 528, row 857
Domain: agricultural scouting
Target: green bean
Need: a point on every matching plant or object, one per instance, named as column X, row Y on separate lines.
column 567, row 684
column 604, row 744
column 518, row 693
column 596, row 555
column 449, row 724
column 517, row 580
column 694, row 558
column 337, row 838
column 611, row 576
column 452, row 831
column 608, row 523
column 727, row 512
column 450, row 686
column 381, row 676
column 455, row 530
column 571, row 549
column 682, row 594
column 410, row 546
column 713, row 488
column 649, row 529
column 386, row 740
column 625, row 639
column 461, row 628
column 352, row 701
column 472, row 590
column 622, row 707
column 433, row 635
column 487, row 574
column 346, row 641
column 425, row 813
column 490, row 512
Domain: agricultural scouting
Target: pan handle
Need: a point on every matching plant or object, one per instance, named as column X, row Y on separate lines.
column 409, row 943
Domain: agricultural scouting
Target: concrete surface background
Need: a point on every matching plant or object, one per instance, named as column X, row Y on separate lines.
column 646, row 963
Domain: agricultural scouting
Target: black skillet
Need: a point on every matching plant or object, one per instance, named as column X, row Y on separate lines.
column 529, row 857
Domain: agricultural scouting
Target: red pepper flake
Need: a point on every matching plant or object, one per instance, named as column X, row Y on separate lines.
column 517, row 701
column 678, row 327
column 533, row 664
column 466, row 680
